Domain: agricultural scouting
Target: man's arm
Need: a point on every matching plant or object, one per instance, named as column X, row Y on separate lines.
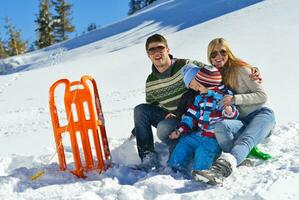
column 184, row 102
column 196, row 62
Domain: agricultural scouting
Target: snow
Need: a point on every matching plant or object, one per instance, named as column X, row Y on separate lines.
column 264, row 34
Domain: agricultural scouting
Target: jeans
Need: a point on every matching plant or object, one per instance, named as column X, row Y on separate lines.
column 203, row 149
column 146, row 116
column 238, row 137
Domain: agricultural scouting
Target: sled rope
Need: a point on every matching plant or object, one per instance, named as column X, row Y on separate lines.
column 40, row 173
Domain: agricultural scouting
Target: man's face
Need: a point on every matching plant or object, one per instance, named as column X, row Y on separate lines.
column 158, row 53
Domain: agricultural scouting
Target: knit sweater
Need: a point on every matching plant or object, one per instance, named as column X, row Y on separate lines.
column 250, row 95
column 205, row 111
column 165, row 89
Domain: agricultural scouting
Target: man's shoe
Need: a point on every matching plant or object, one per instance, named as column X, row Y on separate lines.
column 256, row 153
column 149, row 162
column 220, row 169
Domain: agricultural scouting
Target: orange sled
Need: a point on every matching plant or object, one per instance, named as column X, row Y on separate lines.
column 78, row 104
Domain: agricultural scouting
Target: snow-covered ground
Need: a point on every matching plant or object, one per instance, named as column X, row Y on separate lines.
column 264, row 34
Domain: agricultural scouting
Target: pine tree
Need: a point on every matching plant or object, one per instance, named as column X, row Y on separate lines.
column 134, row 6
column 91, row 27
column 44, row 25
column 16, row 45
column 148, row 2
column 3, row 50
column 62, row 21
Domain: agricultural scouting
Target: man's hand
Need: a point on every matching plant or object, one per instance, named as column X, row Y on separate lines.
column 174, row 135
column 256, row 75
column 170, row 115
column 228, row 100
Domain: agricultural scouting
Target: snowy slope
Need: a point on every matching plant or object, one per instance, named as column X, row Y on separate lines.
column 263, row 34
column 162, row 16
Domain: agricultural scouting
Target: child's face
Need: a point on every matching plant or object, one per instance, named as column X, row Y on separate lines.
column 195, row 85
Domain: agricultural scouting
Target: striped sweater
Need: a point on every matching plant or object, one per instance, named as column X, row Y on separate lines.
column 205, row 111
column 165, row 89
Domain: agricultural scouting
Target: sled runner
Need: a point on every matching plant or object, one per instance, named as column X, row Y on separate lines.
column 84, row 116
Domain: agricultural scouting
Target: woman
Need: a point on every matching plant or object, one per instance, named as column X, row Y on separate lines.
column 237, row 137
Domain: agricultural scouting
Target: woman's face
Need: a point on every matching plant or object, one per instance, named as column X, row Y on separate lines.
column 219, row 56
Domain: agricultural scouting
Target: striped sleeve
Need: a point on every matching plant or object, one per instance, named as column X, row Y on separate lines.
column 189, row 120
column 233, row 115
column 235, row 112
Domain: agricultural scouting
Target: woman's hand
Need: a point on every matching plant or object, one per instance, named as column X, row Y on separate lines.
column 228, row 100
column 228, row 110
column 170, row 115
column 174, row 135
column 256, row 75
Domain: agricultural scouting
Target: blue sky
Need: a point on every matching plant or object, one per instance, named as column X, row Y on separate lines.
column 23, row 13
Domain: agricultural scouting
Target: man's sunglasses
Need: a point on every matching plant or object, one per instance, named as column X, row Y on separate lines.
column 222, row 52
column 153, row 50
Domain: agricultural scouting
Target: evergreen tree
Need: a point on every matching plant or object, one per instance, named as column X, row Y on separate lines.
column 3, row 49
column 16, row 45
column 148, row 2
column 134, row 6
column 91, row 27
column 44, row 25
column 62, row 21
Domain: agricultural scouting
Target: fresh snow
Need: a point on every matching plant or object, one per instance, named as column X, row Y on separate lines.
column 264, row 34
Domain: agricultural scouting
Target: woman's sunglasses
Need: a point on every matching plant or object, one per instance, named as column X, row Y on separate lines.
column 214, row 54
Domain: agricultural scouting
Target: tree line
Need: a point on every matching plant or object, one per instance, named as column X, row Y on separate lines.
column 135, row 5
column 53, row 24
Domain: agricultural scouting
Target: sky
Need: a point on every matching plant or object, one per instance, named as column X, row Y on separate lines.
column 23, row 14
column 119, row 64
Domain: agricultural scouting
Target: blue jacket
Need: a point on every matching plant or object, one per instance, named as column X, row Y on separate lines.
column 204, row 111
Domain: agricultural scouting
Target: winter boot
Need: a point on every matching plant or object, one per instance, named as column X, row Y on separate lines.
column 149, row 162
column 256, row 153
column 220, row 169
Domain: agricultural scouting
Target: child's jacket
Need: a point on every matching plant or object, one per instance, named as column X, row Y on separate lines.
column 205, row 111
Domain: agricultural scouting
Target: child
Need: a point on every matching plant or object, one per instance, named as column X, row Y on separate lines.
column 196, row 129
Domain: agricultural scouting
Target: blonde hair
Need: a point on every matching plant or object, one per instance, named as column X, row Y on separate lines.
column 229, row 70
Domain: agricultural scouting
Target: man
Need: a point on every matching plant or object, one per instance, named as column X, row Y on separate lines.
column 164, row 88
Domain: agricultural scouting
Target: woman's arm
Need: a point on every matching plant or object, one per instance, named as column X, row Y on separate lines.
column 253, row 91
